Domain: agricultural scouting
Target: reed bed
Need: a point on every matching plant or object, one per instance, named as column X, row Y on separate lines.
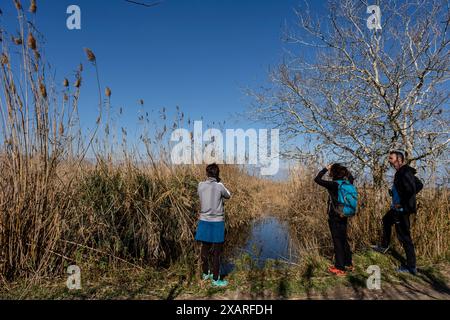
column 65, row 198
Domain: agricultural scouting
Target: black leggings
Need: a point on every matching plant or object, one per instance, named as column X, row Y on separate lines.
column 211, row 251
column 342, row 251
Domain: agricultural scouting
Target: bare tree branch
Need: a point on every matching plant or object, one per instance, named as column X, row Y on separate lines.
column 362, row 92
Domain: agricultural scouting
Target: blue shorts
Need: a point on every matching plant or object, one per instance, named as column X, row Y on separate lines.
column 213, row 232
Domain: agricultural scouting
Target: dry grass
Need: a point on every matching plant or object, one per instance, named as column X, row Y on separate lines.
column 307, row 214
column 58, row 208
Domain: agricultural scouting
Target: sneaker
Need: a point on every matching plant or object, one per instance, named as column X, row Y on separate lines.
column 208, row 276
column 350, row 268
column 405, row 269
column 336, row 271
column 380, row 249
column 219, row 283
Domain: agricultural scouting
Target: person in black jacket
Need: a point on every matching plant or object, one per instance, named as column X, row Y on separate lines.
column 405, row 187
column 336, row 221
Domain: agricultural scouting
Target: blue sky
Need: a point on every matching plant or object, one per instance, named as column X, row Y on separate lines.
column 196, row 54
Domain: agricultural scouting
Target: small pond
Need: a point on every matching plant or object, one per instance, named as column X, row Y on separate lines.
column 269, row 239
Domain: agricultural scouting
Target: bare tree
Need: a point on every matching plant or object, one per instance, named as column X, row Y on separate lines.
column 360, row 92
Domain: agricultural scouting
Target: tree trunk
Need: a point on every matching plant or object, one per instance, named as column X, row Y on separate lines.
column 380, row 189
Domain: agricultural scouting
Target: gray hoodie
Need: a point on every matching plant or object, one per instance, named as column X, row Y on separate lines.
column 211, row 195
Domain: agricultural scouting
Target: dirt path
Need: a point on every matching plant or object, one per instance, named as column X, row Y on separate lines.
column 422, row 287
column 411, row 292
column 400, row 291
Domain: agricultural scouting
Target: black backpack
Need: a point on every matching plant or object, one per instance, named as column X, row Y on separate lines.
column 419, row 184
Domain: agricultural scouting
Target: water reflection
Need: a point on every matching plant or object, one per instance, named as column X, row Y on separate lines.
column 268, row 238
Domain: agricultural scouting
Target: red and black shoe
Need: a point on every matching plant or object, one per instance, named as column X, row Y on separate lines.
column 336, row 271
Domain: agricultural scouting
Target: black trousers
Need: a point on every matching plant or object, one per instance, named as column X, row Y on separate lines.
column 342, row 251
column 403, row 230
column 211, row 252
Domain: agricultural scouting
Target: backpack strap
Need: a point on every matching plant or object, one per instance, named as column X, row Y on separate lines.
column 333, row 205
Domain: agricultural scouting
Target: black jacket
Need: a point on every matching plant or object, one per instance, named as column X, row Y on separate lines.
column 407, row 185
column 332, row 187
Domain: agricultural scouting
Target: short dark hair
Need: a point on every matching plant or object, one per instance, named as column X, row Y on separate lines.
column 339, row 172
column 213, row 171
column 399, row 154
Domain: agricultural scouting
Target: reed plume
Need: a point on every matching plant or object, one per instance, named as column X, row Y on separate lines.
column 43, row 89
column 90, row 55
column 18, row 5
column 31, row 42
column 33, row 6
column 17, row 40
column 4, row 59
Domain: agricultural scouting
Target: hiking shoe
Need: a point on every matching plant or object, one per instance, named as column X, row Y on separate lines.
column 208, row 276
column 349, row 268
column 405, row 269
column 380, row 249
column 336, row 271
column 219, row 283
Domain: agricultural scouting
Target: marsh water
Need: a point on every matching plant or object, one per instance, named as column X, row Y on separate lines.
column 268, row 238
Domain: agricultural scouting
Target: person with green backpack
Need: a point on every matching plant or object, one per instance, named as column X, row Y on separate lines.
column 342, row 204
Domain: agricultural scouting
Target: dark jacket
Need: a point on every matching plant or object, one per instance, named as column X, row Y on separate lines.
column 332, row 187
column 407, row 185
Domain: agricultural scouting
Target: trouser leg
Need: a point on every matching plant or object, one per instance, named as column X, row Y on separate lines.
column 348, row 251
column 403, row 229
column 388, row 221
column 338, row 234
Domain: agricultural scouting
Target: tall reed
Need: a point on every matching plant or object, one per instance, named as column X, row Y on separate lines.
column 66, row 196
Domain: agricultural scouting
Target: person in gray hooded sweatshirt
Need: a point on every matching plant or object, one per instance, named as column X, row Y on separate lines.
column 211, row 225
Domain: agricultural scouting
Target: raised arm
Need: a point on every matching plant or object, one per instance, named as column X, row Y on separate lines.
column 330, row 185
column 224, row 191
